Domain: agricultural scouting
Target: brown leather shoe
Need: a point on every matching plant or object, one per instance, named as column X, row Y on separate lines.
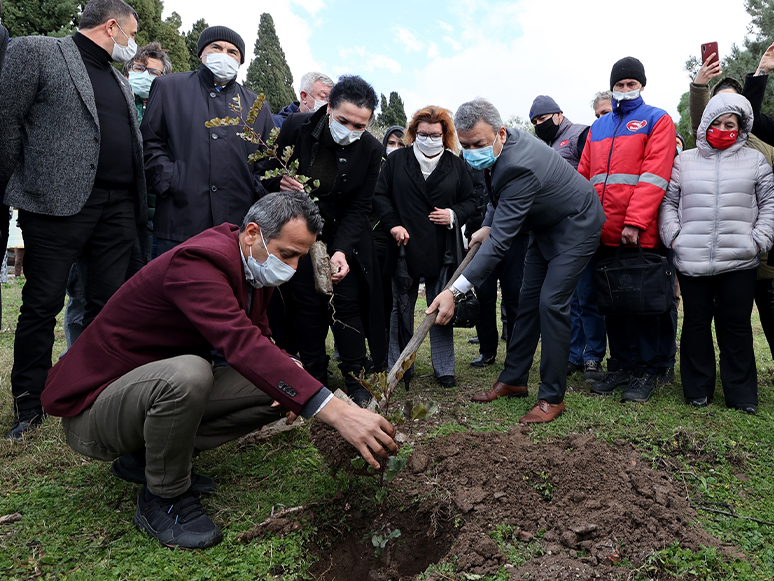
column 543, row 412
column 500, row 390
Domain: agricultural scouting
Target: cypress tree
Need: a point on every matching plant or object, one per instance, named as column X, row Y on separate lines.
column 192, row 40
column 269, row 72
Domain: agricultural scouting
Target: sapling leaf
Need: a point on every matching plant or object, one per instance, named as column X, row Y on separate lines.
column 393, row 466
column 395, row 534
column 358, row 462
column 418, row 412
column 287, row 153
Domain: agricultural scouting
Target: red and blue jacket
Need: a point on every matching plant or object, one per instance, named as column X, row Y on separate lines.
column 628, row 159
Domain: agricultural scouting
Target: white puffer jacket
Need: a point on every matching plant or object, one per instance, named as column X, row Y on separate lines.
column 719, row 207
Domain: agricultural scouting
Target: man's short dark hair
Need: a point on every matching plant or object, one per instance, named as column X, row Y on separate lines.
column 272, row 212
column 100, row 11
column 151, row 50
column 355, row 90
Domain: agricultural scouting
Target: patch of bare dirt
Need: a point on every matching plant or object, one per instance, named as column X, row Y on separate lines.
column 581, row 506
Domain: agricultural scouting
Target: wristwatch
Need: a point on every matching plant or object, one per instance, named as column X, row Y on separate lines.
column 456, row 293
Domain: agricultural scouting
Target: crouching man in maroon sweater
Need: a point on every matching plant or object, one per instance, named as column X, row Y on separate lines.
column 139, row 385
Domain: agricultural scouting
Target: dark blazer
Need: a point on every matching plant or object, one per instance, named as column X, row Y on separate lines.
column 48, row 117
column 535, row 190
column 404, row 198
column 189, row 300
column 200, row 176
column 345, row 207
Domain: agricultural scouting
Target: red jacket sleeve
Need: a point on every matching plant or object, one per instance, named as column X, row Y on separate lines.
column 655, row 172
column 584, row 167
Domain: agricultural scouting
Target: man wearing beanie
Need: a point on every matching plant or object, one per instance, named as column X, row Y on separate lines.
column 587, row 347
column 628, row 159
column 200, row 176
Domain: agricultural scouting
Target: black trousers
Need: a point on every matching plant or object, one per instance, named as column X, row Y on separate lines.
column 764, row 300
column 510, row 273
column 314, row 316
column 544, row 311
column 734, row 292
column 102, row 233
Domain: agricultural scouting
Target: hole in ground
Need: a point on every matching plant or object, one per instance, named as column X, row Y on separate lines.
column 424, row 540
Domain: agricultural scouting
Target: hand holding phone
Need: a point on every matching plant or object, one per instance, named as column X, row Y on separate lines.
column 710, row 67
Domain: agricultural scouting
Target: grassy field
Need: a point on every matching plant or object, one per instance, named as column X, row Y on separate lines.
column 77, row 518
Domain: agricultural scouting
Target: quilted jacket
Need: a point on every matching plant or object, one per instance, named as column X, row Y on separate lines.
column 718, row 211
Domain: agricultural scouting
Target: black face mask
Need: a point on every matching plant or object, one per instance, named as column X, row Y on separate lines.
column 547, row 130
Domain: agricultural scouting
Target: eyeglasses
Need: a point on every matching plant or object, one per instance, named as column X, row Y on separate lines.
column 430, row 135
column 138, row 68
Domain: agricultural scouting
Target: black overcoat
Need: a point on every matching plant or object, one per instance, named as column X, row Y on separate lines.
column 200, row 175
column 404, row 198
column 345, row 208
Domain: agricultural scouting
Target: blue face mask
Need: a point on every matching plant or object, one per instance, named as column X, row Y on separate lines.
column 141, row 83
column 481, row 158
column 273, row 272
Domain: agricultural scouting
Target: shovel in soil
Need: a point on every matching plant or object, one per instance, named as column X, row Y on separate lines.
column 403, row 282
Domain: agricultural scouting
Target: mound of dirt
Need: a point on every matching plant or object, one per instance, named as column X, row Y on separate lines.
column 581, row 506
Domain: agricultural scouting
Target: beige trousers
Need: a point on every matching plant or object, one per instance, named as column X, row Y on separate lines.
column 170, row 407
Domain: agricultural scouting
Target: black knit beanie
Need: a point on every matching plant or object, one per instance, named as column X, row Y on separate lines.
column 214, row 33
column 542, row 105
column 627, row 68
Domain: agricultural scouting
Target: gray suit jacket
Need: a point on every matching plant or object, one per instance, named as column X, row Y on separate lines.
column 535, row 190
column 50, row 130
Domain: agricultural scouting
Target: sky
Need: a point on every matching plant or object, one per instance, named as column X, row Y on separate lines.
column 446, row 52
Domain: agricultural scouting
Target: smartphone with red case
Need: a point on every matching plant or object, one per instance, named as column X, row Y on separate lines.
column 707, row 49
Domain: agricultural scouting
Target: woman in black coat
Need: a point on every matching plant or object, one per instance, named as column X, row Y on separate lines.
column 332, row 146
column 423, row 194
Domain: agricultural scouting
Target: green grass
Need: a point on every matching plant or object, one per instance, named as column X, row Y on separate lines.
column 77, row 518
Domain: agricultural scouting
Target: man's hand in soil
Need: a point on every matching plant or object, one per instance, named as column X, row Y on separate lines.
column 340, row 260
column 288, row 184
column 364, row 429
column 444, row 304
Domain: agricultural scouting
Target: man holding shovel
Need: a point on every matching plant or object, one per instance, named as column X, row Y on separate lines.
column 533, row 190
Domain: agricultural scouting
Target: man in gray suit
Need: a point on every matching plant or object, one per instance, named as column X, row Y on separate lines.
column 533, row 189
column 71, row 161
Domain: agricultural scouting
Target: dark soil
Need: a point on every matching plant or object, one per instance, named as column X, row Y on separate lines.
column 580, row 506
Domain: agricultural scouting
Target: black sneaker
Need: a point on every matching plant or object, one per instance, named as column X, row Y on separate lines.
column 473, row 340
column 572, row 368
column 699, row 402
column 611, row 381
column 24, row 423
column 176, row 522
column 129, row 468
column 592, row 371
column 666, row 376
column 640, row 388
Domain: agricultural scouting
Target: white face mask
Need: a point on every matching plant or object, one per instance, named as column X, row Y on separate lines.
column 430, row 146
column 317, row 105
column 123, row 54
column 223, row 67
column 273, row 272
column 629, row 96
column 391, row 149
column 342, row 135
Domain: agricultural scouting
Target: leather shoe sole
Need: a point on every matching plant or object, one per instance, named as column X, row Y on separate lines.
column 500, row 390
column 543, row 412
